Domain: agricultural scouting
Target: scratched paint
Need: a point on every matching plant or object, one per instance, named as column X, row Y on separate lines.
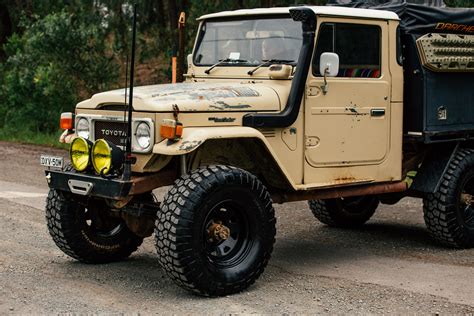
column 189, row 145
column 222, row 105
column 354, row 110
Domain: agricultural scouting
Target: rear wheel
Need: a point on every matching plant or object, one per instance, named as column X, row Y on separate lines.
column 344, row 212
column 88, row 232
column 449, row 213
column 215, row 230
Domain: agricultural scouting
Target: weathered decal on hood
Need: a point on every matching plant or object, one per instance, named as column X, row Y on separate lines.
column 194, row 97
column 199, row 92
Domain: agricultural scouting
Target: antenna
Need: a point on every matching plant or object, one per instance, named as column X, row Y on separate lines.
column 126, row 86
column 127, row 170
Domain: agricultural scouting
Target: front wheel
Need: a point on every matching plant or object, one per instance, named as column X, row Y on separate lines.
column 88, row 232
column 215, row 230
column 449, row 212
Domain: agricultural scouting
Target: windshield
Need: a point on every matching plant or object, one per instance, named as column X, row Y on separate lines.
column 250, row 41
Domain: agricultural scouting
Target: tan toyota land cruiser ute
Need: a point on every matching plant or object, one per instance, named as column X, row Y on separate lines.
column 343, row 107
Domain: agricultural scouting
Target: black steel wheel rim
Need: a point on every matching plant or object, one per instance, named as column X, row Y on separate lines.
column 354, row 205
column 229, row 252
column 466, row 203
column 100, row 224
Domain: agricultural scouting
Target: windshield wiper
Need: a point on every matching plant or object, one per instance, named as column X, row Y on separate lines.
column 268, row 62
column 224, row 61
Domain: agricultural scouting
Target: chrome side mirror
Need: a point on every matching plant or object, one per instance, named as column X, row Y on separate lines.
column 328, row 67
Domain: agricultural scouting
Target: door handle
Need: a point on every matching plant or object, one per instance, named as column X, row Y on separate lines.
column 377, row 112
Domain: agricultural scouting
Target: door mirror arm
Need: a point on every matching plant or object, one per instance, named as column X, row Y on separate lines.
column 324, row 87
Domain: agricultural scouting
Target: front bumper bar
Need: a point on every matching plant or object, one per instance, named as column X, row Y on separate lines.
column 115, row 189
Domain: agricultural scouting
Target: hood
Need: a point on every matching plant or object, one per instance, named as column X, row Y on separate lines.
column 191, row 97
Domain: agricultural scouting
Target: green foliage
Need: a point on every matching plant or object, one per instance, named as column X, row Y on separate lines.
column 28, row 137
column 460, row 3
column 56, row 60
column 61, row 52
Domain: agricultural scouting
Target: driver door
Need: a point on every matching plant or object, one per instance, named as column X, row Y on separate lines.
column 348, row 128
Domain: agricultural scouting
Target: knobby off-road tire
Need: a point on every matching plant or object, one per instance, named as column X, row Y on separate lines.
column 88, row 234
column 449, row 212
column 344, row 212
column 194, row 214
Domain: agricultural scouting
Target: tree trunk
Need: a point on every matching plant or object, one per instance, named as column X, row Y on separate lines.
column 5, row 28
column 173, row 15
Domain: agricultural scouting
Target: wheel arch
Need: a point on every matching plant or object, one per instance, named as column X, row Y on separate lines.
column 435, row 164
column 242, row 147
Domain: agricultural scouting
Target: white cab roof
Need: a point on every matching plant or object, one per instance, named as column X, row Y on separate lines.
column 319, row 10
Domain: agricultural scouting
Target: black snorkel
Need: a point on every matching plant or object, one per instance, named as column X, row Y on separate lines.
column 289, row 115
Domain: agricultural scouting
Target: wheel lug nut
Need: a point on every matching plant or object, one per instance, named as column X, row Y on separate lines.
column 218, row 232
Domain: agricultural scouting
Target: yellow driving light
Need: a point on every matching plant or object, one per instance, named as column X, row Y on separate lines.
column 106, row 157
column 79, row 152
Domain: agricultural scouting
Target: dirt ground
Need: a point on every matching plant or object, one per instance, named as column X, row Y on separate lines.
column 388, row 266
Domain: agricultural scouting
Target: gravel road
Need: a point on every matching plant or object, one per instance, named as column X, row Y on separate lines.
column 388, row 266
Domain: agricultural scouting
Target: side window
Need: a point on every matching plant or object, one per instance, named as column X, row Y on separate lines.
column 357, row 45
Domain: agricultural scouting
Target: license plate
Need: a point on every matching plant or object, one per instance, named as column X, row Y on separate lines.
column 50, row 161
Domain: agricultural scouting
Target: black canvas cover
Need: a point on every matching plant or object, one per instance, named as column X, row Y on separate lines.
column 431, row 3
column 421, row 17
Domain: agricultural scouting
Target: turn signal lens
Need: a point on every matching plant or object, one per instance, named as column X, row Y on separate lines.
column 171, row 129
column 66, row 121
column 106, row 157
column 79, row 153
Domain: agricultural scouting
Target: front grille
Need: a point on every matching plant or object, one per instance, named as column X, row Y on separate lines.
column 114, row 132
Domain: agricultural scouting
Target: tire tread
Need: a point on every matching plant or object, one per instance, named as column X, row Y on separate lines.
column 173, row 236
column 439, row 209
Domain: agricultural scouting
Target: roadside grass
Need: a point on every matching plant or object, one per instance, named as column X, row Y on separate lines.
column 28, row 137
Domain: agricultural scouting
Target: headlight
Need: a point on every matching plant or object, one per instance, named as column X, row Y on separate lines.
column 83, row 128
column 79, row 152
column 106, row 157
column 143, row 135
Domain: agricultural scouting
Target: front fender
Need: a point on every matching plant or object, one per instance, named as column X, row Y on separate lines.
column 193, row 137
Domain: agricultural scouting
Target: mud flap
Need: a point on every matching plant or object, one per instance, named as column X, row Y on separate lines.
column 428, row 177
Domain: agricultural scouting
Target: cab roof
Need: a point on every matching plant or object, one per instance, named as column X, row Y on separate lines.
column 318, row 10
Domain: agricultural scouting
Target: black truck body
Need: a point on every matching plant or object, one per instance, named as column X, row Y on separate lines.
column 438, row 105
